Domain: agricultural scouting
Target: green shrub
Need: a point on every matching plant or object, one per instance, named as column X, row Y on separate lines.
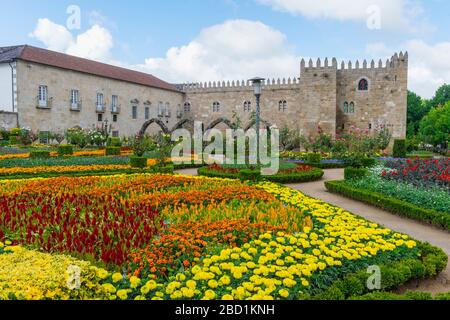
column 403, row 208
column 39, row 154
column 112, row 151
column 249, row 175
column 314, row 158
column 13, row 140
column 114, row 142
column 4, row 135
column 355, row 173
column 168, row 169
column 15, row 132
column 138, row 162
column 400, row 148
column 65, row 150
column 368, row 162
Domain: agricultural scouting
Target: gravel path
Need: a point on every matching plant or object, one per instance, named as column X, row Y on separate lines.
column 413, row 228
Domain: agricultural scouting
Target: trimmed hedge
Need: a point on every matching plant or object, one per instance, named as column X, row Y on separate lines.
column 114, row 142
column 138, row 162
column 400, row 150
column 249, row 175
column 355, row 173
column 327, row 165
column 431, row 262
column 297, row 177
column 65, row 150
column 40, row 154
column 314, row 157
column 112, row 151
column 399, row 207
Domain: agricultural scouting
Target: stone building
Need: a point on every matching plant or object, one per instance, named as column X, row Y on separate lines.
column 49, row 91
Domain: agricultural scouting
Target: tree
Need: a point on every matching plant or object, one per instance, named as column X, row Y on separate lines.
column 435, row 127
column 417, row 109
column 441, row 97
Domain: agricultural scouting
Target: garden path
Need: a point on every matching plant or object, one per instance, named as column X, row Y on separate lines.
column 413, row 228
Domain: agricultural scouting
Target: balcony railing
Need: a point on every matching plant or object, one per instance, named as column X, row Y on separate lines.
column 44, row 104
column 75, row 106
column 100, row 108
column 115, row 109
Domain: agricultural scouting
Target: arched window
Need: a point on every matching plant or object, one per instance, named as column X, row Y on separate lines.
column 363, row 85
column 351, row 108
column 187, row 107
column 345, row 107
column 216, row 107
column 247, row 106
column 282, row 106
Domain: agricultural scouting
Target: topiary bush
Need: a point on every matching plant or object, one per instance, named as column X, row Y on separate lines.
column 65, row 150
column 368, row 162
column 138, row 162
column 314, row 158
column 40, row 154
column 355, row 173
column 112, row 151
column 114, row 142
column 400, row 150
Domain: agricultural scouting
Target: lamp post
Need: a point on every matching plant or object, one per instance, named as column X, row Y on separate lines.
column 257, row 87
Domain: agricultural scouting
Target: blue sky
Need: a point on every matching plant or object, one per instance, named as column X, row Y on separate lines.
column 207, row 40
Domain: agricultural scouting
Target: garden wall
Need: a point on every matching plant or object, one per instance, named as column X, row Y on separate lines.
column 8, row 120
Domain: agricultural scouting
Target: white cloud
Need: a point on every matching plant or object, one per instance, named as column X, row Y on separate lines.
column 236, row 49
column 429, row 66
column 393, row 13
column 96, row 43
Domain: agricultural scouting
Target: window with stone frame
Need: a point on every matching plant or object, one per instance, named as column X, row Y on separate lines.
column 134, row 112
column 216, row 107
column 351, row 108
column 282, row 106
column 187, row 107
column 147, row 113
column 363, row 85
column 247, row 106
column 345, row 107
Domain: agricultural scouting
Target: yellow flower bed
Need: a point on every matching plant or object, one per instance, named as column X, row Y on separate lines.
column 30, row 275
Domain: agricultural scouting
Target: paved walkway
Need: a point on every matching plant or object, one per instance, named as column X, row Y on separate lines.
column 413, row 228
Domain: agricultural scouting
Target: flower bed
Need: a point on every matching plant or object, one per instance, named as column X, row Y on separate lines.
column 422, row 173
column 291, row 174
column 220, row 239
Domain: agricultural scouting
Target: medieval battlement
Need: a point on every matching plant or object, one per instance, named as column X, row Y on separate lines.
column 223, row 86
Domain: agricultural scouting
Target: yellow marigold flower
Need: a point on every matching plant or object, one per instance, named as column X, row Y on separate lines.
column 134, row 282
column 109, row 287
column 289, row 283
column 102, row 273
column 116, row 277
column 227, row 297
column 191, row 284
column 283, row 293
column 180, row 277
column 305, row 283
column 122, row 294
column 225, row 280
column 213, row 284
column 209, row 295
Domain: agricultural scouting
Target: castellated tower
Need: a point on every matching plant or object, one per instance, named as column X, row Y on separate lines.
column 382, row 103
column 336, row 97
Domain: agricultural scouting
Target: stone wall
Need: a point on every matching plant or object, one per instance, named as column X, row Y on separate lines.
column 8, row 120
column 60, row 82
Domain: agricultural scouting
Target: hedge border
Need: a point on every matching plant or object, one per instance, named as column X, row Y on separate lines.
column 431, row 262
column 298, row 177
column 85, row 173
column 393, row 205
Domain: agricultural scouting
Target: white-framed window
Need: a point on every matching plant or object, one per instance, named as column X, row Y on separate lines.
column 115, row 101
column 43, row 93
column 160, row 109
column 147, row 113
column 100, row 100
column 134, row 112
column 167, row 110
column 74, row 96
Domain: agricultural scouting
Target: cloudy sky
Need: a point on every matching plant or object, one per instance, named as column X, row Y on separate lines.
column 208, row 40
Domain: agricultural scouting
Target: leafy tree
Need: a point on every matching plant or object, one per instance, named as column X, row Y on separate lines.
column 417, row 109
column 435, row 127
column 441, row 97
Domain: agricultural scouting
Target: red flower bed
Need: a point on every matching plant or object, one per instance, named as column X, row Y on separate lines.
column 102, row 227
column 422, row 173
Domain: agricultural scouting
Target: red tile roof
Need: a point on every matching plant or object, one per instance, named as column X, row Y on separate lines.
column 64, row 61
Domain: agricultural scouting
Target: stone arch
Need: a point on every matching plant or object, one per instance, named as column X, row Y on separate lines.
column 215, row 123
column 180, row 124
column 150, row 122
column 253, row 123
